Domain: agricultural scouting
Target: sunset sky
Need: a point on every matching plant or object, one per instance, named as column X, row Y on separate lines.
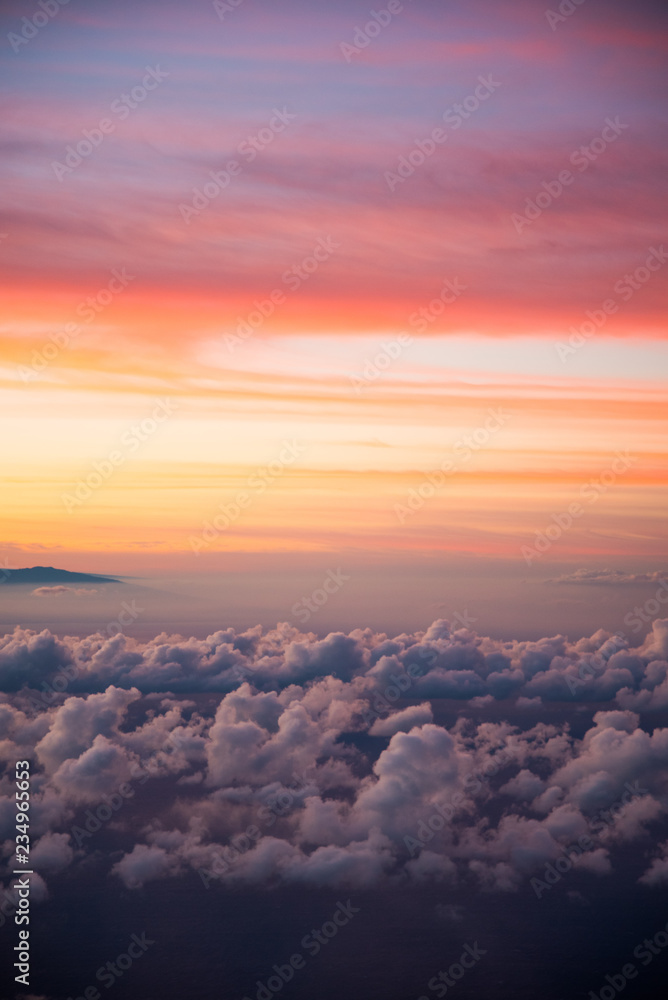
column 333, row 539
column 179, row 280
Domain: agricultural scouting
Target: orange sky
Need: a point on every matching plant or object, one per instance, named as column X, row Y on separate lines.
column 311, row 301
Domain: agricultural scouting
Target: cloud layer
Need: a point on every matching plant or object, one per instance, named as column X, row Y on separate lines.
column 283, row 758
column 438, row 663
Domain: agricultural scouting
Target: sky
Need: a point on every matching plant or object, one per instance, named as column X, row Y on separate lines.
column 440, row 293
column 336, row 337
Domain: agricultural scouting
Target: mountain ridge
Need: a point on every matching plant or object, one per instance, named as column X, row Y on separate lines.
column 50, row 574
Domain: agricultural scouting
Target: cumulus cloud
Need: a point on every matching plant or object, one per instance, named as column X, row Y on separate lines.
column 610, row 577
column 143, row 864
column 657, row 873
column 99, row 770
column 525, row 786
column 60, row 590
column 528, row 704
column 402, row 722
column 52, row 852
column 78, row 721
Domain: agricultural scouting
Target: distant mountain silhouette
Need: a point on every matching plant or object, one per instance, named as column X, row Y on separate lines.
column 49, row 574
